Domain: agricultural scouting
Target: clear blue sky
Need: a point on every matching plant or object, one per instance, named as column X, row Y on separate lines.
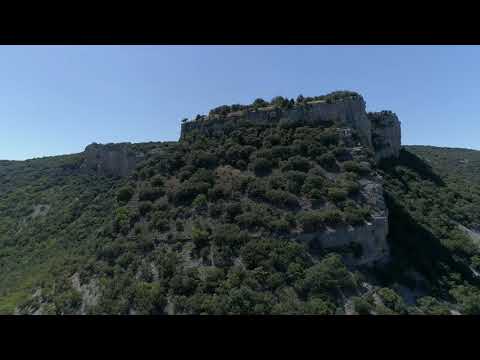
column 58, row 99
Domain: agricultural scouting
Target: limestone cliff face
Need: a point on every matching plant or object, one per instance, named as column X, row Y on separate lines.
column 351, row 112
column 386, row 134
column 371, row 237
column 110, row 159
column 378, row 131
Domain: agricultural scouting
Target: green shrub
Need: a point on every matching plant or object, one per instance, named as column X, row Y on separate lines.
column 326, row 276
column 258, row 103
column 257, row 189
column 147, row 193
column 356, row 167
column 262, row 167
column 327, row 161
column 160, row 222
column 226, row 235
column 312, row 182
column 157, row 181
column 187, row 191
column 318, row 306
column 337, row 195
column 200, row 236
column 430, row 306
column 296, row 180
column 232, row 210
column 354, row 216
column 332, row 217
column 251, row 219
column 282, row 199
column 311, row 221
column 361, row 306
column 200, row 201
column 280, row 226
column 297, row 163
column 329, row 137
column 392, row 300
column 125, row 193
column 468, row 297
column 145, row 207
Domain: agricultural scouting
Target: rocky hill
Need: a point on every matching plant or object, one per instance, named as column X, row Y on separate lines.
column 287, row 207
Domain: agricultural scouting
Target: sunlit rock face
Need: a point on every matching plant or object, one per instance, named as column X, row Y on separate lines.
column 386, row 134
column 349, row 111
column 379, row 131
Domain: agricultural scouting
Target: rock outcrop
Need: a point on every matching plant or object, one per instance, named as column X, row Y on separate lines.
column 386, row 134
column 111, row 159
column 378, row 131
column 370, row 237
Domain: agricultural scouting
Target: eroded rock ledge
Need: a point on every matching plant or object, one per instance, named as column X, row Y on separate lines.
column 111, row 159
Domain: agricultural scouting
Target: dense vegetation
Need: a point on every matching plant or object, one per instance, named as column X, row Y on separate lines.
column 214, row 225
column 207, row 228
column 283, row 103
column 430, row 201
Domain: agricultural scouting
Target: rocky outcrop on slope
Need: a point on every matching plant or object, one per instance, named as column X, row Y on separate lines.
column 111, row 159
column 386, row 134
column 371, row 237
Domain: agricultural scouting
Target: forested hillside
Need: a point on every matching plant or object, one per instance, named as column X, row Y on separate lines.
column 250, row 219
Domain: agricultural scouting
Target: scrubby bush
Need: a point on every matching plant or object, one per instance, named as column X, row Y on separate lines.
column 125, row 193
column 354, row 216
column 157, row 181
column 327, row 161
column 312, row 182
column 187, row 191
column 361, row 306
column 295, row 181
column 356, row 167
column 145, row 207
column 281, row 199
column 257, row 189
column 280, row 102
column 311, row 221
column 262, row 166
column 280, row 226
column 298, row 163
column 337, row 195
column 219, row 191
column 351, row 187
column 203, row 159
column 392, row 300
column 329, row 137
column 326, row 276
column 232, row 210
column 239, row 153
column 249, row 219
column 430, row 306
column 332, row 217
column 147, row 193
column 200, row 236
column 259, row 103
column 227, row 235
column 200, row 201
